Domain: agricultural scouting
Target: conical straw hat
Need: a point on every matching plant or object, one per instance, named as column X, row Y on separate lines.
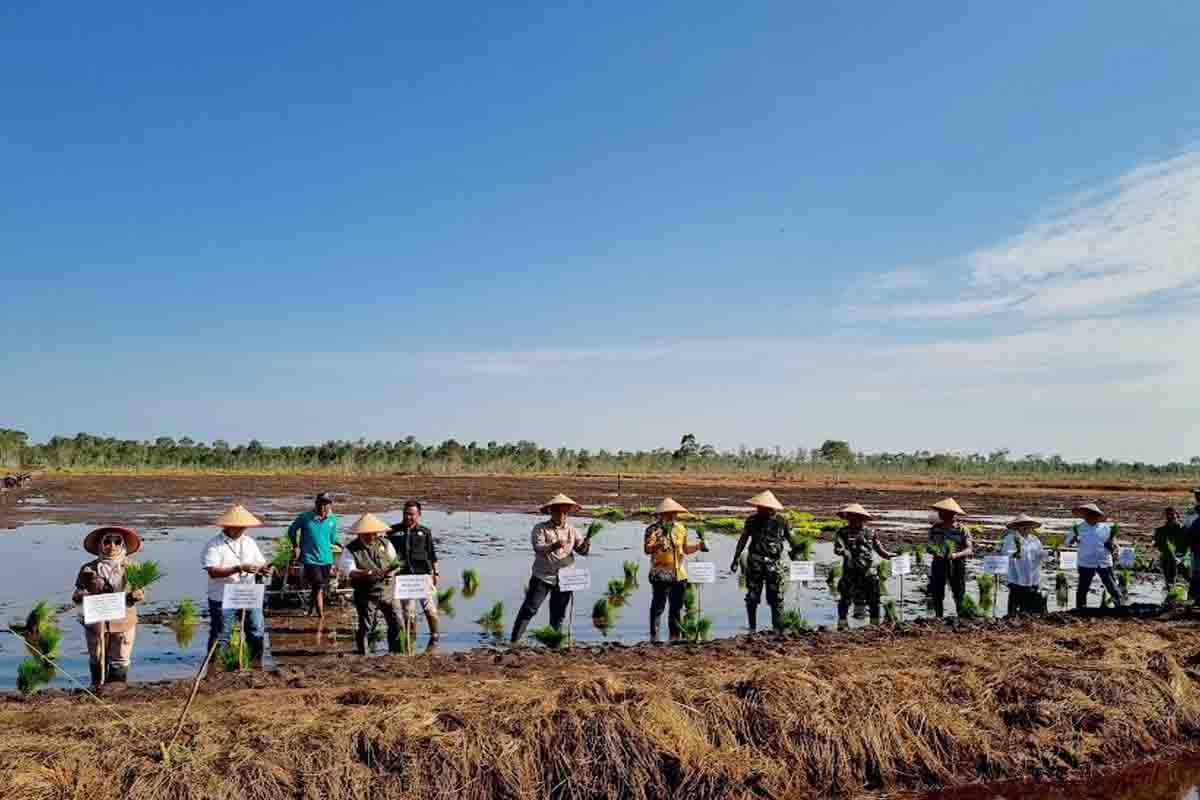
column 854, row 509
column 949, row 504
column 1078, row 510
column 668, row 505
column 766, row 499
column 238, row 517
column 369, row 523
column 1024, row 519
column 560, row 500
column 133, row 542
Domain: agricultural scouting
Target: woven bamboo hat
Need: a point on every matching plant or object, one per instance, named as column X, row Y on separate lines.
column 854, row 510
column 949, row 504
column 1095, row 509
column 560, row 500
column 133, row 542
column 238, row 517
column 668, row 506
column 766, row 499
column 1024, row 521
column 369, row 523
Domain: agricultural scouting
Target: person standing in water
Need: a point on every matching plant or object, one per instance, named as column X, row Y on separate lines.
column 858, row 545
column 414, row 546
column 368, row 562
column 1171, row 541
column 665, row 541
column 110, row 641
column 768, row 535
column 1025, row 555
column 233, row 557
column 555, row 543
column 313, row 535
column 950, row 546
column 1097, row 552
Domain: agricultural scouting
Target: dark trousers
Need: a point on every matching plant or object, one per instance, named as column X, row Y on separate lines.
column 1023, row 599
column 662, row 594
column 1168, row 567
column 362, row 604
column 941, row 572
column 535, row 595
column 1085, row 583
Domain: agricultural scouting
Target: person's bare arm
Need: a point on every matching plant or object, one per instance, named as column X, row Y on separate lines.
column 968, row 546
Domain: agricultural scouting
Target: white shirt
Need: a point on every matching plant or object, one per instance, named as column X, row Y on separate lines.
column 221, row 551
column 1093, row 544
column 1025, row 569
column 345, row 562
column 1191, row 517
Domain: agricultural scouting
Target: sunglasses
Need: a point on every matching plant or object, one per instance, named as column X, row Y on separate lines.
column 113, row 540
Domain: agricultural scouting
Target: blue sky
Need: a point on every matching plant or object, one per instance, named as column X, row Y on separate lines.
column 958, row 226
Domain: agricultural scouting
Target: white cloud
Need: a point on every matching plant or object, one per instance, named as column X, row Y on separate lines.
column 896, row 280
column 956, row 310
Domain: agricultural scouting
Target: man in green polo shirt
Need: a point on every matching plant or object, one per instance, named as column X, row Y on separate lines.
column 313, row 535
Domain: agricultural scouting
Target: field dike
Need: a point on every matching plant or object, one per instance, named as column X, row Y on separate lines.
column 811, row 715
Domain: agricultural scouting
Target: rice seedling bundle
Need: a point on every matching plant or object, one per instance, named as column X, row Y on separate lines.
column 802, row 547
column 794, row 620
column 730, row 525
column 470, row 579
column 376, row 634
column 445, row 600
column 1123, row 579
column 609, row 513
column 602, row 615
column 1177, row 594
column 890, row 613
column 139, row 576
column 631, row 574
column 987, row 590
column 549, row 637
column 689, row 599
column 42, row 639
column 616, row 591
column 235, row 655
column 695, row 628
column 968, row 609
column 493, row 620
column 284, row 552
column 593, row 530
column 186, row 613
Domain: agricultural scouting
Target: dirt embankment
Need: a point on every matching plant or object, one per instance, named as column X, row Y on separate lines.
column 96, row 498
column 814, row 715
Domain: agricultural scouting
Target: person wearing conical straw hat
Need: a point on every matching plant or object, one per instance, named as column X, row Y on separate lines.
column 1025, row 555
column 233, row 557
column 369, row 561
column 950, row 546
column 666, row 542
column 112, row 545
column 1097, row 540
column 857, row 545
column 555, row 543
column 769, row 536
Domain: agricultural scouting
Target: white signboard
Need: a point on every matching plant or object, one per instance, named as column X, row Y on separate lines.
column 995, row 565
column 237, row 596
column 902, row 565
column 803, row 571
column 1126, row 556
column 412, row 587
column 574, row 579
column 103, row 608
column 702, row 572
column 1068, row 559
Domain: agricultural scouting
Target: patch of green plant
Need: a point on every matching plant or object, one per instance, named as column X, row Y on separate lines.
column 882, row 571
column 689, row 599
column 968, row 609
column 646, row 511
column 602, row 615
column 376, row 634
column 616, row 591
column 731, row 525
column 42, row 640
column 186, row 613
column 987, row 590
column 141, row 575
column 282, row 557
column 470, row 579
column 833, row 577
column 445, row 600
column 593, row 530
column 1177, row 594
column 631, row 574
column 234, row 656
column 695, row 628
column 609, row 513
column 890, row 613
column 793, row 619
column 493, row 619
column 184, row 632
column 550, row 637
column 801, row 547
column 1123, row 579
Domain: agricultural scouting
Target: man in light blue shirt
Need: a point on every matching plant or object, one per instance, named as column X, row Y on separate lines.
column 313, row 535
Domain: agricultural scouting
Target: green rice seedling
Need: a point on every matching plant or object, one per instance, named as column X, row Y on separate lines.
column 376, row 634
column 631, row 574
column 695, row 628
column 184, row 632
column 729, row 525
column 890, row 613
column 493, row 620
column 186, row 613
column 1177, row 594
column 602, row 615
column 883, row 571
column 689, row 599
column 1123, row 579
column 969, row 609
column 445, row 600
column 235, row 655
column 42, row 639
column 801, row 547
column 32, row 674
column 470, row 579
column 832, row 578
column 646, row 511
column 616, row 592
column 793, row 620
column 608, row 513
column 987, row 591
column 1053, row 541
column 142, row 575
column 282, row 557
column 594, row 529
column 549, row 637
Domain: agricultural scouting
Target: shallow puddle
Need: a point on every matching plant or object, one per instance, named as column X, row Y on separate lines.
column 48, row 556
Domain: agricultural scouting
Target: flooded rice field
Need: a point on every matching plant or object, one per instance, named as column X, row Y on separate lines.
column 48, row 555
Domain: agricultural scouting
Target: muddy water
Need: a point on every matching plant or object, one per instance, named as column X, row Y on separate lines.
column 1176, row 779
column 46, row 557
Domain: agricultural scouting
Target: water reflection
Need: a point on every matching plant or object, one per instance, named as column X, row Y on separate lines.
column 1177, row 779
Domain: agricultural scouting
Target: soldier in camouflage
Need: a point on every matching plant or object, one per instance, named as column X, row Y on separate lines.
column 950, row 545
column 857, row 545
column 768, row 535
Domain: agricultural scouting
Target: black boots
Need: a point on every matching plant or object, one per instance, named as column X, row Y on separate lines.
column 752, row 616
column 95, row 674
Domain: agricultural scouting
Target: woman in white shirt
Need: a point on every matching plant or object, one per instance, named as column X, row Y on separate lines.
column 1025, row 555
column 1097, row 549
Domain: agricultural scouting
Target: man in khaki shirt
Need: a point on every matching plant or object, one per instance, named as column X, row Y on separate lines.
column 555, row 543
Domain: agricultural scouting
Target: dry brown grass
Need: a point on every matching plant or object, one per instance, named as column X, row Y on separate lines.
column 808, row 716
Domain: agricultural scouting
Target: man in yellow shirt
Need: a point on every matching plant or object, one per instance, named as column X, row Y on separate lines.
column 666, row 543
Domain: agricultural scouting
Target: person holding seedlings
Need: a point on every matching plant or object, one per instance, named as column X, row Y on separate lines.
column 413, row 543
column 768, row 536
column 555, row 543
column 857, row 545
column 233, row 557
column 1025, row 555
column 665, row 541
column 950, row 545
column 1171, row 541
column 313, row 535
column 369, row 561
column 1097, row 551
column 104, row 575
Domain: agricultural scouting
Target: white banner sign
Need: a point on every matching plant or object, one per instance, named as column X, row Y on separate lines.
column 1068, row 559
column 1127, row 557
column 803, row 571
column 574, row 579
column 995, row 565
column 103, row 608
column 902, row 565
column 237, row 596
column 702, row 572
column 412, row 587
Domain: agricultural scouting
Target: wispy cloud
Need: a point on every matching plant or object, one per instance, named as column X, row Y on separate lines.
column 956, row 310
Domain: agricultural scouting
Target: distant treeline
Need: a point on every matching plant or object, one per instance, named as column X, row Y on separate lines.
column 86, row 451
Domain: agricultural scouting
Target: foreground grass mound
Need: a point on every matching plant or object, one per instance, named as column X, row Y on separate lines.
column 804, row 715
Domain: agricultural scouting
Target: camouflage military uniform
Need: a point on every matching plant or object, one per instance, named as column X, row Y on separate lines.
column 942, row 570
column 858, row 585
column 769, row 536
